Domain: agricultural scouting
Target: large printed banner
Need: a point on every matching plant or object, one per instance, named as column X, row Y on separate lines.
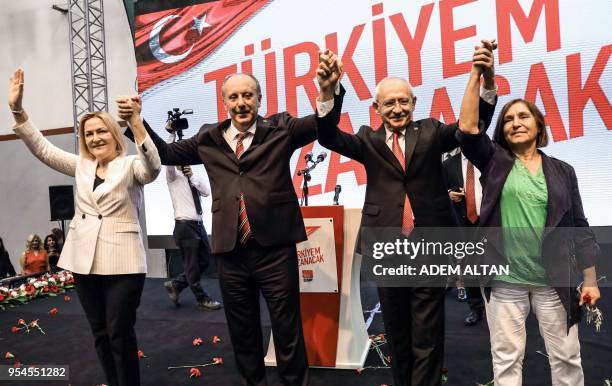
column 553, row 52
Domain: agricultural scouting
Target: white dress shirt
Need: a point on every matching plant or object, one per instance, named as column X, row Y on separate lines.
column 230, row 136
column 180, row 192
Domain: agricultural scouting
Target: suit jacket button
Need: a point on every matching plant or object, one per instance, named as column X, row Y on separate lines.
column 99, row 217
column 83, row 216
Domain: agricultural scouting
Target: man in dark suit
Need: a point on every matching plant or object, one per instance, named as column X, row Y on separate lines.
column 405, row 189
column 256, row 219
column 465, row 193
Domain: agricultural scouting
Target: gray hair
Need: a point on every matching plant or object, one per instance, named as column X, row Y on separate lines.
column 257, row 86
column 379, row 85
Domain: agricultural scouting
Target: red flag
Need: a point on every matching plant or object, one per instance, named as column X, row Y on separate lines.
column 172, row 41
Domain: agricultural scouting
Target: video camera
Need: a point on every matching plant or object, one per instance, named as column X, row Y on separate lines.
column 177, row 124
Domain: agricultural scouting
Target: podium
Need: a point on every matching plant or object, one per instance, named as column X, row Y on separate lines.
column 334, row 328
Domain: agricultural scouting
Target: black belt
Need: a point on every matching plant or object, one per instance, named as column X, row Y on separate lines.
column 189, row 221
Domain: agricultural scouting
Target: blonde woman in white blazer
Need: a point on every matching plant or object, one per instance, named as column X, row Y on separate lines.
column 104, row 247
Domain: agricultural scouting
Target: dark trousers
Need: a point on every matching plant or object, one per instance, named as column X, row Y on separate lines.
column 472, row 285
column 243, row 274
column 110, row 303
column 474, row 297
column 191, row 238
column 414, row 326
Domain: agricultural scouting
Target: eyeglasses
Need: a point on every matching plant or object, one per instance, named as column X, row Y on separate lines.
column 391, row 103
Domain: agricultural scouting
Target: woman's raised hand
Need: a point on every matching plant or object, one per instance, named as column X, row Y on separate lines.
column 15, row 96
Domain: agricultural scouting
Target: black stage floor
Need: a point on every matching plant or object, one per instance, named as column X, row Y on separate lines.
column 165, row 335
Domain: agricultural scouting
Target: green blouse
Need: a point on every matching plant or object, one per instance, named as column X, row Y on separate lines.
column 524, row 201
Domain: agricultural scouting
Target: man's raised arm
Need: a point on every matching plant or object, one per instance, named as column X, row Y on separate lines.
column 177, row 153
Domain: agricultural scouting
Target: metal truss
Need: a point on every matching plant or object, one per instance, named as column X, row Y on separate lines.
column 87, row 51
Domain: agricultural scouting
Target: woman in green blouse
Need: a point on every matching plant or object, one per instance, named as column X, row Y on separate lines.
column 533, row 202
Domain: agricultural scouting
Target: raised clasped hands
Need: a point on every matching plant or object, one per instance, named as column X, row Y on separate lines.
column 329, row 72
column 129, row 107
column 483, row 61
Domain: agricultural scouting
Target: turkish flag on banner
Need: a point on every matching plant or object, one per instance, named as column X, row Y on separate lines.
column 172, row 41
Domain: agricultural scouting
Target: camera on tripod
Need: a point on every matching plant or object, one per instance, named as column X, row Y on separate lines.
column 177, row 124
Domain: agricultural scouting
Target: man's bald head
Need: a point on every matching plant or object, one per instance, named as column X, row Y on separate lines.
column 240, row 76
column 392, row 82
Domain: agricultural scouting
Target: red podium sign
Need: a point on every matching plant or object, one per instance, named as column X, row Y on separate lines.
column 321, row 310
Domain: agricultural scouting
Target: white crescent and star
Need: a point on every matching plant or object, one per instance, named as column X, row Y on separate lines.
column 155, row 45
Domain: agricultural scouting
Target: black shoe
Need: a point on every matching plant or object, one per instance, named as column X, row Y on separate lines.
column 473, row 318
column 209, row 304
column 173, row 293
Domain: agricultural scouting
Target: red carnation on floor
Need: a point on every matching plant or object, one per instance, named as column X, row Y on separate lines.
column 14, row 329
column 218, row 361
column 197, row 341
column 53, row 311
column 216, row 339
column 9, row 355
column 141, row 354
column 30, row 289
column 194, row 372
column 66, row 298
column 21, row 321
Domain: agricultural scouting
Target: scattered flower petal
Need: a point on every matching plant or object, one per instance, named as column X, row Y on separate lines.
column 53, row 311
column 194, row 372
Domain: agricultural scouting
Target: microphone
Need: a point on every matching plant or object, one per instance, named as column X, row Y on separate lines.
column 308, row 157
column 321, row 156
column 337, row 191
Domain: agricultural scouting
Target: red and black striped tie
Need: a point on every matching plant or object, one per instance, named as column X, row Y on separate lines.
column 244, row 228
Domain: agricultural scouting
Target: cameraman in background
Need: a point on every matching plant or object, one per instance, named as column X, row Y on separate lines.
column 189, row 233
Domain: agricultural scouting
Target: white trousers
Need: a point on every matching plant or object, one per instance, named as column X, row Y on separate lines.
column 507, row 312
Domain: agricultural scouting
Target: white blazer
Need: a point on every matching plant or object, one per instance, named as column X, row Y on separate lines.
column 104, row 237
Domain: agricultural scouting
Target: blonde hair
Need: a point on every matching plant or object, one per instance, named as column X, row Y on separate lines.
column 110, row 124
column 30, row 239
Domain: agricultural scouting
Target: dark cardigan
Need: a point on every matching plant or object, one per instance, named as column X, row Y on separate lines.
column 568, row 244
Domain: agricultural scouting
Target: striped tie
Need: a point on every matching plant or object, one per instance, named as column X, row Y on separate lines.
column 470, row 194
column 244, row 228
column 407, row 220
